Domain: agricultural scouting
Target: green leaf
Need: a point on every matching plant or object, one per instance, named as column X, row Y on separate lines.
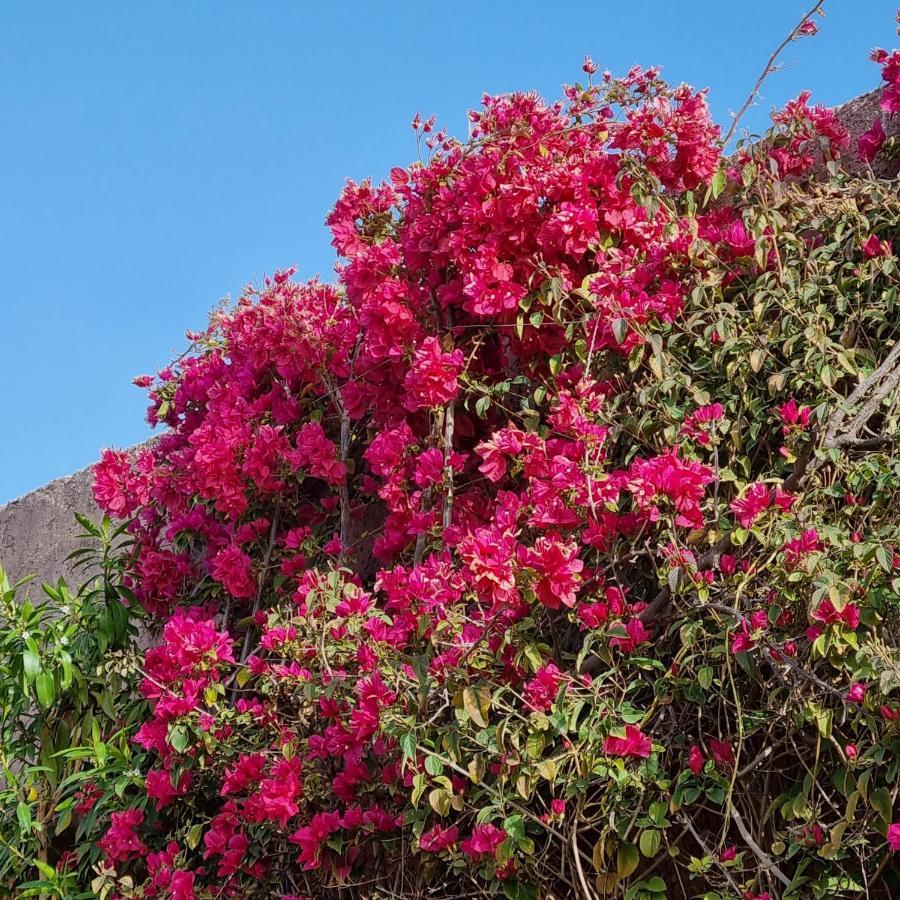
column 885, row 559
column 439, row 799
column 178, row 738
column 649, row 842
column 408, row 746
column 31, row 665
column 627, row 859
column 477, row 704
column 45, row 686
column 516, row 890
column 23, row 814
column 433, row 766
column 823, row 718
column 880, row 801
column 193, row 836
column 717, row 185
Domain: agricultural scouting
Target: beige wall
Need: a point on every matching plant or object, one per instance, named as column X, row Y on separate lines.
column 39, row 530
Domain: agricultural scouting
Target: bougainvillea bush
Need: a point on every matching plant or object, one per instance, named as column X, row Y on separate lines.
column 551, row 551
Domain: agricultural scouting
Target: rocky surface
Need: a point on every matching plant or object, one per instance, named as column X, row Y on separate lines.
column 38, row 531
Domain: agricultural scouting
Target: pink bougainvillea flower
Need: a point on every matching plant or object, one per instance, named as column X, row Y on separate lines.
column 635, row 743
column 232, row 568
column 541, row 691
column 558, row 569
column 871, row 141
column 873, row 247
column 635, row 634
column 158, row 784
column 797, row 549
column 755, row 501
column 827, row 614
column 893, row 837
column 696, row 759
column 121, row 842
column 722, row 753
column 432, row 378
column 741, row 641
column 438, row 838
column 483, row 841
column 86, row 798
column 857, row 692
column 727, row 564
column 794, row 417
column 698, row 424
column 669, row 477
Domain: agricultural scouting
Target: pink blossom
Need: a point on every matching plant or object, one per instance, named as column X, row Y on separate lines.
column 432, row 378
column 797, row 549
column 541, row 691
column 793, row 416
column 232, row 568
column 871, row 141
column 120, row 842
column 634, row 743
column 756, row 500
column 484, row 841
column 874, row 248
column 857, row 692
column 741, row 641
column 696, row 425
column 635, row 635
column 893, row 837
column 696, row 760
column 722, row 753
column 158, row 784
column 438, row 838
column 558, row 569
column 828, row 614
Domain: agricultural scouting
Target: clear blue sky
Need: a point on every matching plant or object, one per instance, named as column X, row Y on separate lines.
column 159, row 155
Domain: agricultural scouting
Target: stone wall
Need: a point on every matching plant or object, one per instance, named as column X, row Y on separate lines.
column 38, row 530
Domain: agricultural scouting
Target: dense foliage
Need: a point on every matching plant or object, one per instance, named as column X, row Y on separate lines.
column 551, row 550
column 69, row 704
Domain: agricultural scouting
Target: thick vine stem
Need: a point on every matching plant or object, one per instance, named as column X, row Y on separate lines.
column 449, row 424
column 763, row 857
column 449, row 420
column 884, row 380
column 344, row 450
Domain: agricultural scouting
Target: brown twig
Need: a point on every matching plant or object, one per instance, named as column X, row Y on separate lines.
column 767, row 71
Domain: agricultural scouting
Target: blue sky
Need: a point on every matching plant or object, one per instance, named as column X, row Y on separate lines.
column 158, row 156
